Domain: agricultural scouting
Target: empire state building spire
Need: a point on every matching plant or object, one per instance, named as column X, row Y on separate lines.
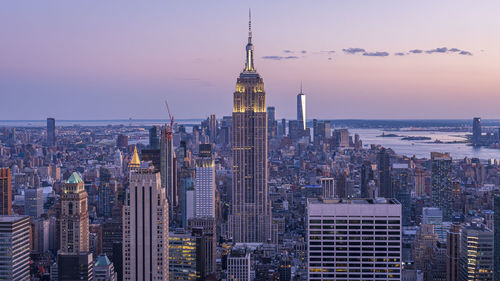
column 249, row 67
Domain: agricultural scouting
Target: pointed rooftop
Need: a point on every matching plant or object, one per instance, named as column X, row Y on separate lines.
column 136, row 161
column 74, row 178
column 102, row 260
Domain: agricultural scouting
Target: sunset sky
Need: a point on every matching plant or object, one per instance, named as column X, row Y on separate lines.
column 357, row 59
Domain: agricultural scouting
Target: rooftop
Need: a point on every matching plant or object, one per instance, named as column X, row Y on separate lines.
column 74, row 178
column 353, row 201
column 13, row 218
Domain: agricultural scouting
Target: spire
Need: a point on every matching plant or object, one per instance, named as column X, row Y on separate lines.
column 135, row 162
column 249, row 49
column 301, row 86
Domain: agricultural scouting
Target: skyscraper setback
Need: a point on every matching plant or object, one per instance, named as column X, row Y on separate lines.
column 250, row 219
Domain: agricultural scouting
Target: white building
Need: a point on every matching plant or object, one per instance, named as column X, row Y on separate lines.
column 145, row 228
column 238, row 265
column 15, row 248
column 205, row 183
column 328, row 186
column 354, row 239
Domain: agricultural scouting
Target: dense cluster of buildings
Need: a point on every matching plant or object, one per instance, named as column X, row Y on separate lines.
column 242, row 197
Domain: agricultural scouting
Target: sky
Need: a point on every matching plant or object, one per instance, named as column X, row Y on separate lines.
column 356, row 59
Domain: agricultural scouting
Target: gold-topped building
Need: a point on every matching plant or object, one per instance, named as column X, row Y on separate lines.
column 135, row 162
column 250, row 219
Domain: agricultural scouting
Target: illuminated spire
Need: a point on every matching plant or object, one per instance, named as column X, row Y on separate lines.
column 135, row 162
column 249, row 67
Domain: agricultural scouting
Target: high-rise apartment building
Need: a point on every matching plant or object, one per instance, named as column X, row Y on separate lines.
column 328, row 187
column 51, row 131
column 353, row 239
column 441, row 183
column 301, row 109
column 33, row 202
column 212, row 128
column 250, row 219
column 476, row 253
column 145, row 228
column 205, row 183
column 15, row 248
column 476, row 131
column 5, row 191
column 74, row 217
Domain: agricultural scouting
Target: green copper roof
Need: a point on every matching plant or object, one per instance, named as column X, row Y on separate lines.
column 74, row 178
column 102, row 260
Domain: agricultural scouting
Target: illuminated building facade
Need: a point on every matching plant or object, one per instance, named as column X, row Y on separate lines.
column 205, row 183
column 353, row 239
column 184, row 259
column 5, row 192
column 250, row 219
column 476, row 253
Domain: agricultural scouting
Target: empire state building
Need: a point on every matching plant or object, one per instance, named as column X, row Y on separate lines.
column 250, row 219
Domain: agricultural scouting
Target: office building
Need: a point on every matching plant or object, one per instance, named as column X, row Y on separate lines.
column 441, row 183
column 250, row 219
column 301, row 109
column 272, row 124
column 74, row 217
column 104, row 269
column 205, row 183
column 384, row 174
column 453, row 252
column 145, row 228
column 366, row 177
column 33, row 202
column 476, row 131
column 208, row 227
column 154, row 137
column 423, row 247
column 239, row 265
column 212, row 128
column 328, row 187
column 185, row 259
column 5, row 191
column 122, row 141
column 51, row 131
column 15, row 248
column 476, row 253
column 353, row 239
column 75, row 266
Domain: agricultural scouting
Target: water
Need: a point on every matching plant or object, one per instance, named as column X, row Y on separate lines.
column 423, row 148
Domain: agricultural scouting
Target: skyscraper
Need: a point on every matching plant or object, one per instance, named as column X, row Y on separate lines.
column 366, row 177
column 51, row 131
column 74, row 216
column 167, row 165
column 384, row 172
column 74, row 251
column 301, row 109
column 441, row 183
column 452, row 252
column 104, row 269
column 205, row 183
column 154, row 137
column 15, row 248
column 476, row 131
column 5, row 192
column 271, row 122
column 250, row 219
column 345, row 235
column 145, row 228
column 185, row 256
column 476, row 253
column 238, row 265
column 212, row 128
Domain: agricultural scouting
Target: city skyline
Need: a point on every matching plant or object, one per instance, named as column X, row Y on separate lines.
column 132, row 57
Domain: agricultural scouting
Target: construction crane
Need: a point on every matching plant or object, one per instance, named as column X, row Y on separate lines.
column 170, row 130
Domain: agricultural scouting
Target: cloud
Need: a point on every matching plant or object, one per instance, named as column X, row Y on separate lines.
column 288, row 51
column 416, row 51
column 376, row 54
column 465, row 53
column 399, row 54
column 303, row 51
column 437, row 50
column 454, row 50
column 353, row 50
column 279, row 57
column 329, row 58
